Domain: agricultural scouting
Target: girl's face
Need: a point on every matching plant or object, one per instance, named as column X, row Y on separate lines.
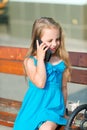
column 51, row 37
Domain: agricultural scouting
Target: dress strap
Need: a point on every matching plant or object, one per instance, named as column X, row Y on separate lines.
column 35, row 60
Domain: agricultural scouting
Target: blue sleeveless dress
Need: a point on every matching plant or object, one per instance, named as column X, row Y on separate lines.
column 47, row 104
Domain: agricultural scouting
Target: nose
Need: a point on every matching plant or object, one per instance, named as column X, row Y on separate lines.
column 54, row 43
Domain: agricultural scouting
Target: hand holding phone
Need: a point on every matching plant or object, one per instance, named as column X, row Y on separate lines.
column 48, row 52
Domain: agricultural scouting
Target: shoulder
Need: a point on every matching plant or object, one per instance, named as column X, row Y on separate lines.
column 29, row 66
column 28, row 61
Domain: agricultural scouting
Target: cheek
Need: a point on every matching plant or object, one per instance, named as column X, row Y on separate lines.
column 48, row 44
column 58, row 44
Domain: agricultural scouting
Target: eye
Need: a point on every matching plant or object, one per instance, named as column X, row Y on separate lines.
column 58, row 39
column 50, row 41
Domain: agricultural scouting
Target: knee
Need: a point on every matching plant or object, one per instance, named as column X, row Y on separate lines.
column 47, row 126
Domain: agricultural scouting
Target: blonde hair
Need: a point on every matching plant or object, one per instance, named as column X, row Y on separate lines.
column 38, row 26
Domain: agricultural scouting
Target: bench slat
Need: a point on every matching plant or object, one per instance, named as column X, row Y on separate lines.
column 11, row 67
column 73, row 128
column 79, row 76
column 12, row 117
column 12, row 53
column 10, row 103
column 7, row 119
column 78, row 59
column 16, row 53
column 16, row 67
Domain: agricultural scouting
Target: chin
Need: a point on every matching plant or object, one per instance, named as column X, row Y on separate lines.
column 53, row 52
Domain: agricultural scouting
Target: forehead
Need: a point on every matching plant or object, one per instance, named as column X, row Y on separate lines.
column 50, row 31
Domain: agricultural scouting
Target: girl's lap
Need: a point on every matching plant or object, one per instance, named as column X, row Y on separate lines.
column 48, row 125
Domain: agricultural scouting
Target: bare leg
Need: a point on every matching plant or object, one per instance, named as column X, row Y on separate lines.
column 48, row 125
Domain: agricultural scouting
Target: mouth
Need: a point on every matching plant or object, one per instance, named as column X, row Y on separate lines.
column 53, row 49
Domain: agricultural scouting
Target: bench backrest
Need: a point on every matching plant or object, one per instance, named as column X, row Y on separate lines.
column 11, row 62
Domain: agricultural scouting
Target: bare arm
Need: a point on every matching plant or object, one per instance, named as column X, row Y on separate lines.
column 64, row 88
column 37, row 74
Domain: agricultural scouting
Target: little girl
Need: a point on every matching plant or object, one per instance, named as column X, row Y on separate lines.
column 44, row 104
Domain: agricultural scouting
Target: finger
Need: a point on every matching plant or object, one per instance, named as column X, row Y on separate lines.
column 43, row 46
column 46, row 48
column 37, row 43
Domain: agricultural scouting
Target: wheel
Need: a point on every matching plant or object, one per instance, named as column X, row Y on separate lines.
column 78, row 115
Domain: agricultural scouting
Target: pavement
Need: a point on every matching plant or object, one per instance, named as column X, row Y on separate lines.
column 5, row 128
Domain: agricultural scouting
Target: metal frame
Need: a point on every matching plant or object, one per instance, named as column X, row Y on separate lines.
column 74, row 114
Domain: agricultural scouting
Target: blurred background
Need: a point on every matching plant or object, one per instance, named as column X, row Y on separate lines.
column 16, row 20
column 17, row 17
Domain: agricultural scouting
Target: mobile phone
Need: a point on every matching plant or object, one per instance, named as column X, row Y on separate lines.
column 48, row 52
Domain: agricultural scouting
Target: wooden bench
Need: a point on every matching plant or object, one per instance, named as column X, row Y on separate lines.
column 11, row 62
